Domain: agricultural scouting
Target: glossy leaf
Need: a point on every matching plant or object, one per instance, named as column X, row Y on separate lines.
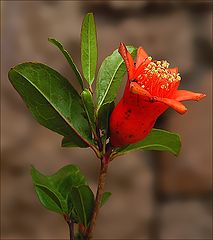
column 48, row 199
column 69, row 59
column 110, row 75
column 72, row 141
column 54, row 191
column 88, row 48
column 88, row 103
column 83, row 201
column 105, row 197
column 157, row 139
column 52, row 100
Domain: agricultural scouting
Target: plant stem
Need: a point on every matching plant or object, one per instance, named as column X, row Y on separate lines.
column 100, row 191
column 71, row 229
column 100, row 145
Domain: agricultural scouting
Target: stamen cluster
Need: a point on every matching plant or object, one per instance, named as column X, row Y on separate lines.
column 157, row 78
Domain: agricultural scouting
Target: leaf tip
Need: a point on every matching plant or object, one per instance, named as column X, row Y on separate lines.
column 53, row 41
column 90, row 14
column 32, row 167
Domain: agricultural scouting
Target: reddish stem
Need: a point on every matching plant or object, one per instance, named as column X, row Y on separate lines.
column 71, row 226
column 100, row 191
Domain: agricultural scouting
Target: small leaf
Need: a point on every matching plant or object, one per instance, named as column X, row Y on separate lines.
column 52, row 100
column 69, row 59
column 88, row 48
column 83, row 200
column 103, row 118
column 89, row 108
column 48, row 199
column 110, row 75
column 79, row 236
column 157, row 139
column 105, row 198
column 54, row 191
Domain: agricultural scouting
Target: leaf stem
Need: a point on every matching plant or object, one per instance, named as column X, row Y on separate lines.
column 99, row 194
column 90, row 89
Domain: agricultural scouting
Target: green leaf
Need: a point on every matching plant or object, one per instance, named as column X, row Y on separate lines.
column 69, row 59
column 52, row 100
column 83, row 200
column 72, row 141
column 157, row 139
column 48, row 199
column 88, row 103
column 105, row 198
column 54, row 191
column 79, row 236
column 89, row 48
column 109, row 78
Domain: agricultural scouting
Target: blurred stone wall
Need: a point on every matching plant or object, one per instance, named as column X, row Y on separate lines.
column 155, row 195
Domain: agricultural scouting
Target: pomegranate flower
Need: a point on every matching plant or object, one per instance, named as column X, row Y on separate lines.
column 151, row 88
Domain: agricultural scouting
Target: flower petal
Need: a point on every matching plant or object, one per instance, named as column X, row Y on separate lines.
column 137, row 89
column 140, row 69
column 182, row 95
column 177, row 106
column 141, row 56
column 128, row 60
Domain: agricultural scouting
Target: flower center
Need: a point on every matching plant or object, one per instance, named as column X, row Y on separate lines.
column 158, row 79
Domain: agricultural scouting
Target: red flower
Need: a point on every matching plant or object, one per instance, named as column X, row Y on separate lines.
column 151, row 88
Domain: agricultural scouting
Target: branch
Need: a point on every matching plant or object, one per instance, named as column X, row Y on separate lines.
column 71, row 227
column 100, row 191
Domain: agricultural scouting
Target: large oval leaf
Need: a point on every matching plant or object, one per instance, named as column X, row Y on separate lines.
column 89, row 50
column 52, row 100
column 72, row 141
column 109, row 78
column 54, row 191
column 157, row 139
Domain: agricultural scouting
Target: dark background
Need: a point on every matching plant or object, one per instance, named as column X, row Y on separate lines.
column 155, row 195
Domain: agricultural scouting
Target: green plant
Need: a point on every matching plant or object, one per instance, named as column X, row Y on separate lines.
column 83, row 121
